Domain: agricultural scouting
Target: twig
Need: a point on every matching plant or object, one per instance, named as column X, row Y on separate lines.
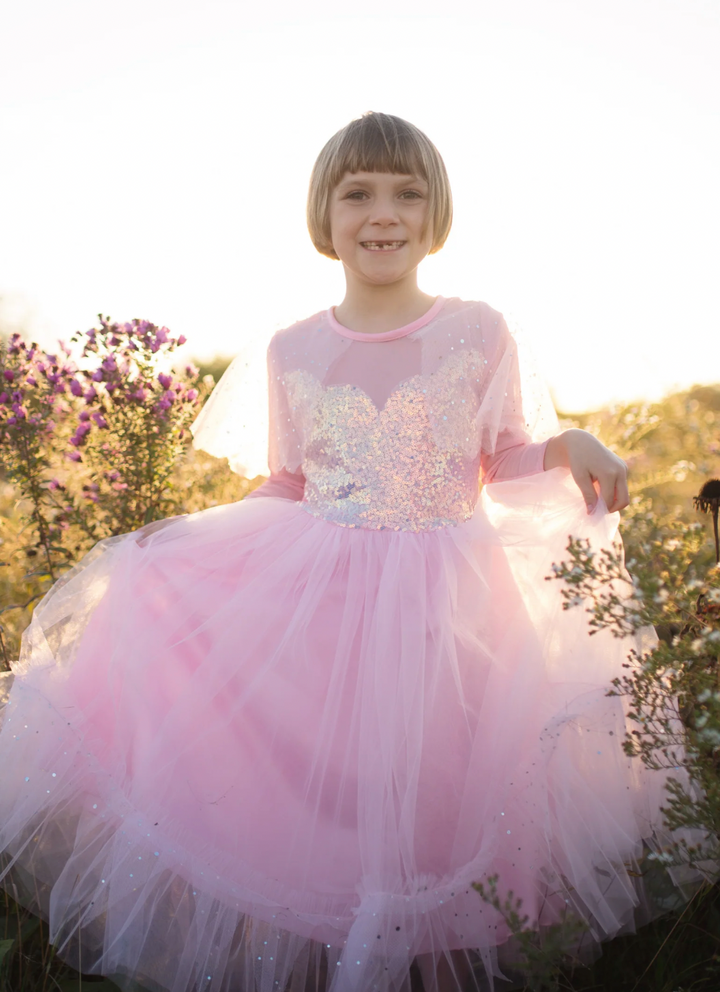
column 21, row 606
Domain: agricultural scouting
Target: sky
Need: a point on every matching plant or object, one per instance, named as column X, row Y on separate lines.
column 155, row 155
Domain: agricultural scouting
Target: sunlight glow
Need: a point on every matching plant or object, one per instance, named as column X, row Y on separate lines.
column 156, row 159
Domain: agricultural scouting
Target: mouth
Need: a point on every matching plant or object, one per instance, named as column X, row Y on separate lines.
column 382, row 245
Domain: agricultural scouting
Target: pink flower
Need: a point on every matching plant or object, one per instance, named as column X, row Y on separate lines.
column 54, row 484
column 75, row 387
column 181, row 340
column 191, row 395
column 90, row 394
column 74, row 456
column 31, row 381
column 84, row 415
column 191, row 370
column 119, row 486
column 165, row 380
column 9, row 375
column 99, row 419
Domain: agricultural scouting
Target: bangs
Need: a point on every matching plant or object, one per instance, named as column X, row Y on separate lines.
column 378, row 147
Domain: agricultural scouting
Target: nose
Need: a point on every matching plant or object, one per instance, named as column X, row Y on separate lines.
column 384, row 212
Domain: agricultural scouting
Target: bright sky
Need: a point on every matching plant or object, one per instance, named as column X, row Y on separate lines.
column 155, row 155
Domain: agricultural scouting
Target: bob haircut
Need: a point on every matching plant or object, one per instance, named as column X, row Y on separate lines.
column 378, row 143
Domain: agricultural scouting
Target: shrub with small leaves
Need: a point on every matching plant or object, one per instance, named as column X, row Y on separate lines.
column 89, row 446
column 673, row 685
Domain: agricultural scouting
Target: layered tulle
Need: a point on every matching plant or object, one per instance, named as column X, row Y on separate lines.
column 253, row 748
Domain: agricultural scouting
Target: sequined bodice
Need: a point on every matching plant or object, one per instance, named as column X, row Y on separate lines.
column 412, row 465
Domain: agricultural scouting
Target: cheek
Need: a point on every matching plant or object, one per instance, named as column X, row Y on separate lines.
column 337, row 225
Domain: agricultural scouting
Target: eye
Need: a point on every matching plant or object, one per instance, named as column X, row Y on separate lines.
column 411, row 194
column 356, row 194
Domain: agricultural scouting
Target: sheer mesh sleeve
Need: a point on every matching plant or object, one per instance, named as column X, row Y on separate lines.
column 516, row 412
column 233, row 423
column 247, row 420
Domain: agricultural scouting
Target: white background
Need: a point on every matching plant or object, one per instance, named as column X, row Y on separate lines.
column 154, row 159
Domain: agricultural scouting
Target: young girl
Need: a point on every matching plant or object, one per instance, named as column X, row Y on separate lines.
column 272, row 745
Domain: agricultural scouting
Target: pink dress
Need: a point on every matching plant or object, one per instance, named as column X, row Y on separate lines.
column 277, row 741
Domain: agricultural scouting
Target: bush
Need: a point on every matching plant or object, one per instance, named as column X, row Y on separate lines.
column 90, row 449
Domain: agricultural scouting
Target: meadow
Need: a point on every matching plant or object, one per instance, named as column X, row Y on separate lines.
column 99, row 445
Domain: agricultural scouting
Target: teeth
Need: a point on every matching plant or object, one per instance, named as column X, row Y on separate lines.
column 377, row 246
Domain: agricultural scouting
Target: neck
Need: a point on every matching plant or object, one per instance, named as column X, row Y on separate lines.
column 375, row 309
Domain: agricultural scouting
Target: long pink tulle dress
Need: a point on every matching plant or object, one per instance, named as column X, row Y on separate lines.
column 271, row 745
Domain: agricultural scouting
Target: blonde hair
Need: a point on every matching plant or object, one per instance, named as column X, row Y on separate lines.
column 378, row 143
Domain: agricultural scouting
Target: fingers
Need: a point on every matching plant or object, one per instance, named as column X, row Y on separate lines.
column 614, row 490
column 584, row 482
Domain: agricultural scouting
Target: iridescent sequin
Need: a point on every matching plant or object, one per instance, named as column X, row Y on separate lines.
column 413, row 465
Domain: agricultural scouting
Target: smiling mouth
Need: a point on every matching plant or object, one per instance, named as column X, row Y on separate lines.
column 382, row 245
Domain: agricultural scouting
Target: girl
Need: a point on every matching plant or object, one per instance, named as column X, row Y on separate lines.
column 270, row 746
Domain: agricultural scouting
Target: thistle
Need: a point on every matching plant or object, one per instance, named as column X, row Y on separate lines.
column 708, row 501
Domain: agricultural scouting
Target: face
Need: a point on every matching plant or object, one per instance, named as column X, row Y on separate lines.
column 376, row 219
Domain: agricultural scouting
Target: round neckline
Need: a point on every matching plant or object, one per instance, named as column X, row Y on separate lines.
column 397, row 332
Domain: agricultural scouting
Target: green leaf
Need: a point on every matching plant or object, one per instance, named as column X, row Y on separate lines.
column 5, row 948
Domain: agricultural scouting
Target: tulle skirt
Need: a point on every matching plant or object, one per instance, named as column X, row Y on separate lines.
column 253, row 751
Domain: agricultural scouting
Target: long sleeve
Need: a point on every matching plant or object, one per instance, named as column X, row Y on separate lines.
column 512, row 460
column 287, row 485
column 284, row 482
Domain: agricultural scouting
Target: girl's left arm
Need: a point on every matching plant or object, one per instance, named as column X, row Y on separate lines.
column 590, row 462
